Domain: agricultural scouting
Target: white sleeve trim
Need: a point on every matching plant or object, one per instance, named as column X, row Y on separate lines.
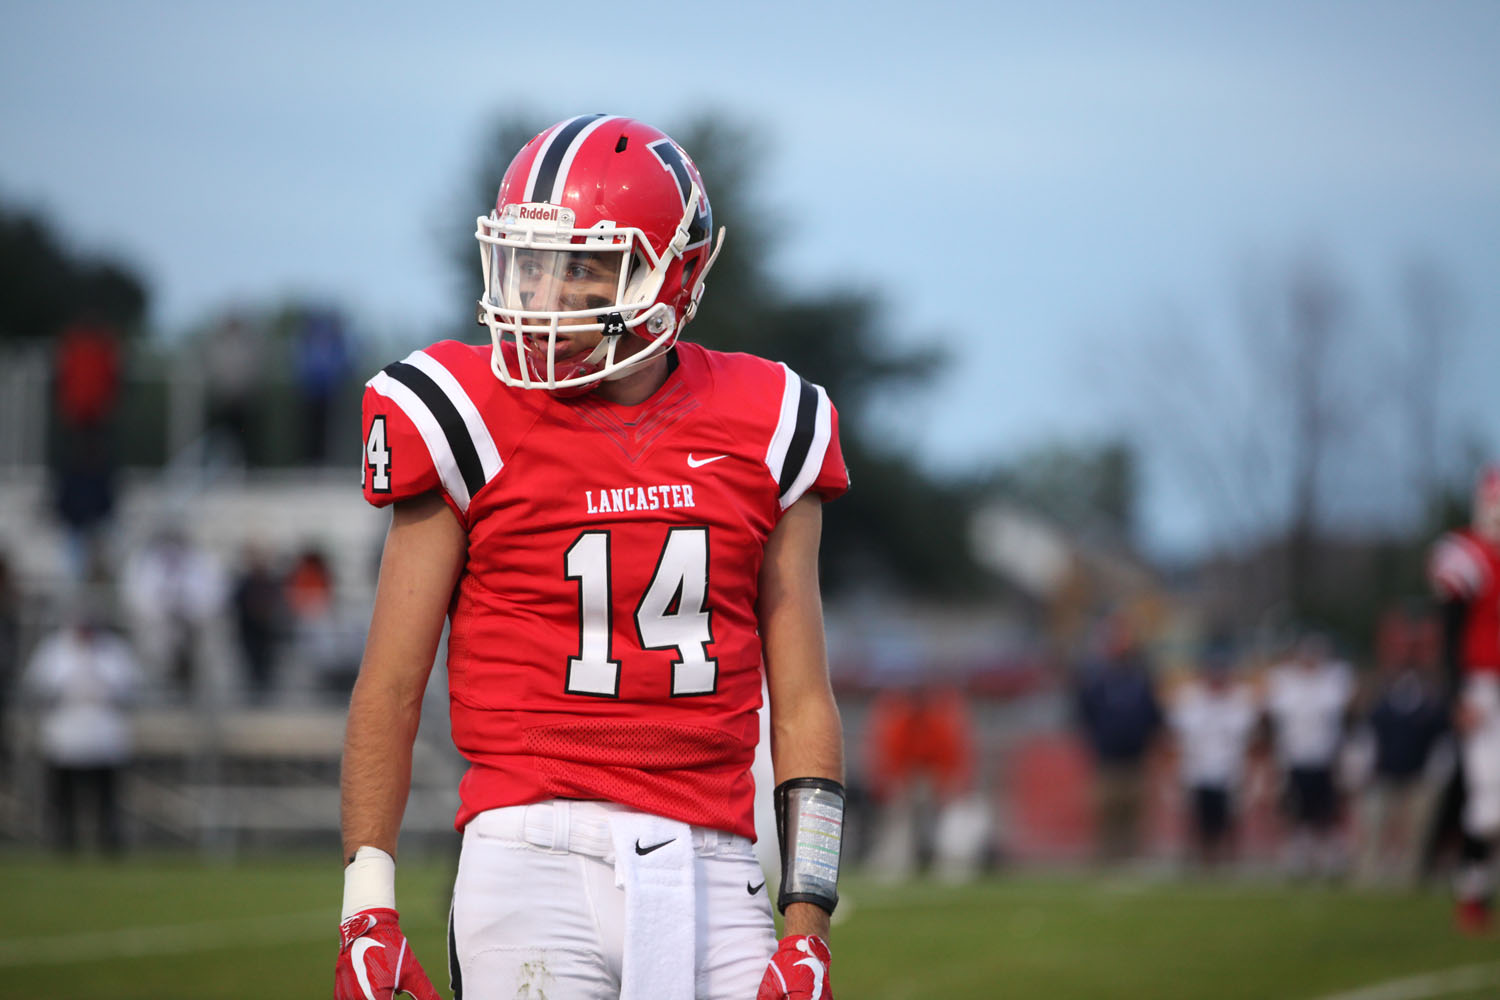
column 781, row 439
column 813, row 465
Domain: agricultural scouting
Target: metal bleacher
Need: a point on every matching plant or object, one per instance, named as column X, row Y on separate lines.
column 215, row 769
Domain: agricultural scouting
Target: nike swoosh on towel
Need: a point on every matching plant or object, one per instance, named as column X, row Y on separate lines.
column 654, row 847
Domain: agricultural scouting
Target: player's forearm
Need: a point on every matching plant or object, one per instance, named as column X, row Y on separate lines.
column 376, row 774
column 807, row 739
column 807, row 742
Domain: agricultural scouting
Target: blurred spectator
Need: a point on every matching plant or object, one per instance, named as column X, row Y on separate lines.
column 87, row 369
column 1406, row 720
column 173, row 591
column 1214, row 719
column 232, row 360
column 921, row 758
column 324, row 646
column 83, row 679
column 1120, row 717
column 322, row 364
column 258, row 615
column 88, row 374
column 1308, row 701
column 10, row 656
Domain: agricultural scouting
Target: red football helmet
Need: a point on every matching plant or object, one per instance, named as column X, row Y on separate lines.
column 601, row 225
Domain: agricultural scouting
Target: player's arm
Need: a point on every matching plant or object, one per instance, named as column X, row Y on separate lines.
column 424, row 554
column 1455, row 574
column 807, row 753
column 806, row 735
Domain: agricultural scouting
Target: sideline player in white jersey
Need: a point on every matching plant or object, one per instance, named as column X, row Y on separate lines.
column 1213, row 719
column 1308, row 702
column 622, row 530
column 1464, row 568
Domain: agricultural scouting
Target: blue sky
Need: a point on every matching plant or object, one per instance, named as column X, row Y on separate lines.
column 1024, row 183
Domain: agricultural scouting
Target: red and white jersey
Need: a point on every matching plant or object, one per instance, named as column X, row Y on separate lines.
column 603, row 639
column 1465, row 566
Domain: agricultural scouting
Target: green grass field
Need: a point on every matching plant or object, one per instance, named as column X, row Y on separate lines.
column 177, row 928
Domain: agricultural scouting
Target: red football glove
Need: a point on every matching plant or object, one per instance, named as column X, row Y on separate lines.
column 375, row 962
column 798, row 970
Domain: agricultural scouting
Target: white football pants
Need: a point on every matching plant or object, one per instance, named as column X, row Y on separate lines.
column 1481, row 755
column 540, row 908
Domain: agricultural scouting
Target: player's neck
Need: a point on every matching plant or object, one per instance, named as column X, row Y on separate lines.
column 638, row 386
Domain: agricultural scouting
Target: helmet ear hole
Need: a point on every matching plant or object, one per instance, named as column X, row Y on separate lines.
column 639, row 273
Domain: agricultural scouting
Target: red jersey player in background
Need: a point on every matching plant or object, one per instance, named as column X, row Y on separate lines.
column 622, row 531
column 1465, row 571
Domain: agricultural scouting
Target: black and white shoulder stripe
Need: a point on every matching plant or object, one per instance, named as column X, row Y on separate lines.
column 802, row 435
column 460, row 444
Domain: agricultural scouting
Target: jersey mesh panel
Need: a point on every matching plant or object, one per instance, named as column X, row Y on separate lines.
column 712, row 756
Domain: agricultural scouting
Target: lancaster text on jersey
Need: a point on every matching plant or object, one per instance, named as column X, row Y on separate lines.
column 632, row 498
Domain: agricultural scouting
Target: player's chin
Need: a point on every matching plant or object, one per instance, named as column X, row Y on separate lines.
column 563, row 370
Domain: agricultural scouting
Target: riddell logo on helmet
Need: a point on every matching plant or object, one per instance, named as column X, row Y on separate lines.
column 537, row 213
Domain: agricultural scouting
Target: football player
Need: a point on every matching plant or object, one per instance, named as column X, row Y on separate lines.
column 1464, row 568
column 1309, row 700
column 621, row 530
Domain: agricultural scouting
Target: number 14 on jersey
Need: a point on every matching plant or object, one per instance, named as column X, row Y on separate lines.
column 671, row 614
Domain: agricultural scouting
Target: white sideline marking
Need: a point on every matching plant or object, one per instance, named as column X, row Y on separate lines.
column 1431, row 984
column 166, row 939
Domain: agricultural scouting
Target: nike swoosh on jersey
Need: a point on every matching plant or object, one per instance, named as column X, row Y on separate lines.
column 654, row 847
column 696, row 463
column 357, row 956
column 753, row 889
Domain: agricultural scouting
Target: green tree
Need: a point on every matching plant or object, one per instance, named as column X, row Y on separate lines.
column 43, row 287
column 898, row 528
column 1090, row 490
